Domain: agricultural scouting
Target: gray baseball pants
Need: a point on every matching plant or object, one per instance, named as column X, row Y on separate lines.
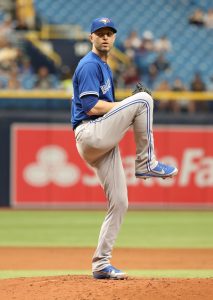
column 97, row 143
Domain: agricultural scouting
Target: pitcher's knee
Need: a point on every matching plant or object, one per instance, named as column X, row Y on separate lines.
column 120, row 204
column 145, row 97
column 142, row 99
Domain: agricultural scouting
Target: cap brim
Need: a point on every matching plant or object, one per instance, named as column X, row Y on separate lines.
column 113, row 29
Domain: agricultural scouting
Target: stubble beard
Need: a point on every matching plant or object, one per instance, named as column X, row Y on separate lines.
column 103, row 51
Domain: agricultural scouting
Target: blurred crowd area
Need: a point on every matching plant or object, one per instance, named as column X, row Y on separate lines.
column 18, row 72
column 16, row 68
column 157, row 73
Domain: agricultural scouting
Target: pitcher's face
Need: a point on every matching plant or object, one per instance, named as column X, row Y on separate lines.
column 103, row 39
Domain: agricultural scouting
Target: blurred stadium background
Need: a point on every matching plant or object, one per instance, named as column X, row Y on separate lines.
column 166, row 44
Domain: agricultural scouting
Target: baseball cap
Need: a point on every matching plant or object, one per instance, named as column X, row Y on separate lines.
column 102, row 23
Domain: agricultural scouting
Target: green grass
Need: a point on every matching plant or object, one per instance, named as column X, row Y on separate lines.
column 80, row 229
column 133, row 273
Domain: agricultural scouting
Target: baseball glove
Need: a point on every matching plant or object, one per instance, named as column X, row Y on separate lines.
column 140, row 88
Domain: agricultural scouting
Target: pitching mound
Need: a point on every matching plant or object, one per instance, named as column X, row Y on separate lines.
column 87, row 288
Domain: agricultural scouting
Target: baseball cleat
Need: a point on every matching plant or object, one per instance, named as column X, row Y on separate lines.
column 160, row 171
column 110, row 272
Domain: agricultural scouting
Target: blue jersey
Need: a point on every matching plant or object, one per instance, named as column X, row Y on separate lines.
column 92, row 77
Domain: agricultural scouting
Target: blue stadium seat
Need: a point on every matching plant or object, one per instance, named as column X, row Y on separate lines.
column 192, row 46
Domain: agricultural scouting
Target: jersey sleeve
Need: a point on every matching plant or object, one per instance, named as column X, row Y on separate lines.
column 89, row 80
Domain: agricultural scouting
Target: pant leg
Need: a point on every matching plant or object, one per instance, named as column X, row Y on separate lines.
column 97, row 144
column 103, row 134
column 112, row 178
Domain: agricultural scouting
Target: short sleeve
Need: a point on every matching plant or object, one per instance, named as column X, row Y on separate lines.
column 89, row 80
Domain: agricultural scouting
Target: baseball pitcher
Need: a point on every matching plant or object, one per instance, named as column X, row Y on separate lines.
column 99, row 124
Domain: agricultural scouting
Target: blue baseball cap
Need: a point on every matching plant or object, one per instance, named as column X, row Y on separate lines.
column 102, row 23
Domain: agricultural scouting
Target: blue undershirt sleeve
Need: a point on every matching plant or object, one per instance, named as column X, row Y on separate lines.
column 88, row 102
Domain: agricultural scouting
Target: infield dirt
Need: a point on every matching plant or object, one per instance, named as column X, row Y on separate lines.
column 87, row 288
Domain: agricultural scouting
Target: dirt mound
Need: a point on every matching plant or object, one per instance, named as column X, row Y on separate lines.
column 87, row 288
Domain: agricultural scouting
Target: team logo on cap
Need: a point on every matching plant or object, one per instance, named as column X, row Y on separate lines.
column 105, row 20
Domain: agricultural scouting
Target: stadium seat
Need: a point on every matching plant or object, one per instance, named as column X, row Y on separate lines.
column 191, row 45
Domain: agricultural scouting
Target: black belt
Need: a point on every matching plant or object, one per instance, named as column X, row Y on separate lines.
column 74, row 128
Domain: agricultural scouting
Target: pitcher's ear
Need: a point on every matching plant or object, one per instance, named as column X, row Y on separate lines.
column 90, row 38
